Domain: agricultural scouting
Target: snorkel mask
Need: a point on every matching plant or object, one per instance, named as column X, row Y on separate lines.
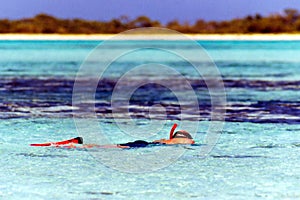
column 179, row 134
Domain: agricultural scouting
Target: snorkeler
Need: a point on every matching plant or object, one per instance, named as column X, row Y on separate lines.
column 179, row 137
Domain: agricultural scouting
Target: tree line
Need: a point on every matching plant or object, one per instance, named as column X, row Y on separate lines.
column 287, row 22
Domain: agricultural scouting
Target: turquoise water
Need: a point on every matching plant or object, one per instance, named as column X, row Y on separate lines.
column 256, row 157
column 253, row 161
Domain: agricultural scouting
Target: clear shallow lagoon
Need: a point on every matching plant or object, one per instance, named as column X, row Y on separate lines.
column 251, row 161
column 257, row 156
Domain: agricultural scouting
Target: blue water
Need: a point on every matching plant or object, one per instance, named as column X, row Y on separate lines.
column 256, row 157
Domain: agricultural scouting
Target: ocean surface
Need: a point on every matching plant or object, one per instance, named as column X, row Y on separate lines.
column 257, row 156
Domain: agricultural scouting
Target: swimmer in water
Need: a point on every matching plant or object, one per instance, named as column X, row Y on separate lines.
column 179, row 137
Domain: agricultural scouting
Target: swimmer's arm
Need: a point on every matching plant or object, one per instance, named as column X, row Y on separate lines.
column 162, row 141
column 175, row 141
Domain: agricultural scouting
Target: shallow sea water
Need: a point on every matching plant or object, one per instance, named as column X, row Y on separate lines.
column 257, row 155
column 250, row 161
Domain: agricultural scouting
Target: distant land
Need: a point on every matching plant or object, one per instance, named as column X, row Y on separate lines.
column 288, row 22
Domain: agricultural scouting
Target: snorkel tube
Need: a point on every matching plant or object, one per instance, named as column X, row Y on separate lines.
column 172, row 130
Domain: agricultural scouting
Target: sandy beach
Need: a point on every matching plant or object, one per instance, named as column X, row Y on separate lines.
column 271, row 37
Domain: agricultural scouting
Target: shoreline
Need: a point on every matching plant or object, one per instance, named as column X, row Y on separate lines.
column 212, row 37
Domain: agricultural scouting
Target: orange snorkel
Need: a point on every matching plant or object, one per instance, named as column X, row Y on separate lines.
column 172, row 130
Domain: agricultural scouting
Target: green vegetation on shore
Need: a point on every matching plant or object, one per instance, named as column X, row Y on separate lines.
column 288, row 22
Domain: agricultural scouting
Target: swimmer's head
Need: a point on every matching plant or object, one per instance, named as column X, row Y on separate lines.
column 179, row 134
column 182, row 134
